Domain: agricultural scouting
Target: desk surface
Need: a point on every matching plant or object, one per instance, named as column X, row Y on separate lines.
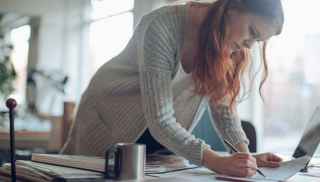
column 202, row 174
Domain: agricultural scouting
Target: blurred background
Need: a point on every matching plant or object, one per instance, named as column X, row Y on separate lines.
column 49, row 50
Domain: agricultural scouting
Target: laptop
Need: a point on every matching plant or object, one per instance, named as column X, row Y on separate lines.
column 310, row 138
column 303, row 153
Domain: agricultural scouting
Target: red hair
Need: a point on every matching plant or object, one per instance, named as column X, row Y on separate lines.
column 215, row 75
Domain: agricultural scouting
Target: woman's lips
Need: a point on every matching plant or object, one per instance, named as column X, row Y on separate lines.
column 234, row 48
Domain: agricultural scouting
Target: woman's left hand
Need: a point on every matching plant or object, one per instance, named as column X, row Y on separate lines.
column 268, row 160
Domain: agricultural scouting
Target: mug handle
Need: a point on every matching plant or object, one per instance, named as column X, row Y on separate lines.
column 114, row 172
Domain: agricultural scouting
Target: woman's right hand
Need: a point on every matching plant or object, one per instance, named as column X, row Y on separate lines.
column 238, row 164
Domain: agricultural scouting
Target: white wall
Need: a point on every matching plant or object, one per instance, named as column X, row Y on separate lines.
column 142, row 7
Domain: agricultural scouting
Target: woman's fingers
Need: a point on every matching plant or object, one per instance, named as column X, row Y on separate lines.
column 272, row 160
column 268, row 160
column 271, row 164
column 246, row 156
column 243, row 155
column 273, row 157
column 245, row 164
column 245, row 172
column 238, row 164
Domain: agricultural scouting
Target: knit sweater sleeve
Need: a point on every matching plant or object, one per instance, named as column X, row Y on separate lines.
column 156, row 72
column 229, row 125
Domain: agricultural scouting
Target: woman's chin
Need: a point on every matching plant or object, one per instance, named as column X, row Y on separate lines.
column 233, row 53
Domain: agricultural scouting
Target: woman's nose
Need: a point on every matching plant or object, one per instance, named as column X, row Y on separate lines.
column 248, row 43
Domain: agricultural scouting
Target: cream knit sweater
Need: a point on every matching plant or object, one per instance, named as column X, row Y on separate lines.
column 146, row 87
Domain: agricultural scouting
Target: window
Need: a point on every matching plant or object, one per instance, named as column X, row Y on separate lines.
column 19, row 37
column 292, row 91
column 110, row 29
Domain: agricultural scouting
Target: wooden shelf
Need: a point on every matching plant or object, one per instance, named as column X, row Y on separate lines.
column 26, row 140
column 29, row 140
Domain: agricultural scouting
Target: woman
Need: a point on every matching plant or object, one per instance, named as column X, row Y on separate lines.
column 180, row 60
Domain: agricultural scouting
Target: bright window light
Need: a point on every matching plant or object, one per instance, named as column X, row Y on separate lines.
column 108, row 37
column 20, row 40
column 110, row 29
column 292, row 90
column 105, row 8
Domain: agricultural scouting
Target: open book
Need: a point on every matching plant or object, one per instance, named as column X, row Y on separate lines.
column 155, row 162
column 75, row 161
column 39, row 172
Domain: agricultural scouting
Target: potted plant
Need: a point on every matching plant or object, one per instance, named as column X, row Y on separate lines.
column 7, row 76
column 7, row 71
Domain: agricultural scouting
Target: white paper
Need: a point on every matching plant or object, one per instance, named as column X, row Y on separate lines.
column 287, row 169
column 284, row 172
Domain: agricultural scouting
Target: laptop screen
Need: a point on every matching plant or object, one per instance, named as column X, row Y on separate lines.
column 311, row 137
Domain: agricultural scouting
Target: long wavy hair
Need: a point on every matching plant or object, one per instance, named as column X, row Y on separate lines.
column 214, row 74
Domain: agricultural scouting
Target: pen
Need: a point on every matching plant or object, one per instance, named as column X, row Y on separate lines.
column 235, row 150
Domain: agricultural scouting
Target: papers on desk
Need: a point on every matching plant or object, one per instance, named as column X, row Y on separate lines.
column 286, row 170
column 39, row 172
column 163, row 164
column 282, row 173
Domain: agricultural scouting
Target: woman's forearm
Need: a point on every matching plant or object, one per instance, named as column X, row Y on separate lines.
column 209, row 157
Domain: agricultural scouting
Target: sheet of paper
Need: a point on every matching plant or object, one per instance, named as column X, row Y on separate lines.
column 286, row 170
column 282, row 173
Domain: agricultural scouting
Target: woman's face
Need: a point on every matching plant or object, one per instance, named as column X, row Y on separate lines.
column 244, row 29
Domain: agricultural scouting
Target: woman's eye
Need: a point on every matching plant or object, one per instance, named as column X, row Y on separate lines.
column 246, row 44
column 254, row 34
column 251, row 32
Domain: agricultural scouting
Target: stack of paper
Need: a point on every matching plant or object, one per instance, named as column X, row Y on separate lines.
column 76, row 161
column 39, row 172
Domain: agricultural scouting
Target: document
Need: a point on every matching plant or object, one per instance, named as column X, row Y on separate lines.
column 286, row 170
